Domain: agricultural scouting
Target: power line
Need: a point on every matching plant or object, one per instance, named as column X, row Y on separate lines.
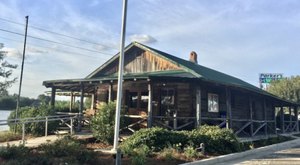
column 48, row 31
column 8, row 31
column 56, row 50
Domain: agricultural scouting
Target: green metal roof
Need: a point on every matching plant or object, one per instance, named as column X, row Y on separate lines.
column 208, row 74
column 190, row 70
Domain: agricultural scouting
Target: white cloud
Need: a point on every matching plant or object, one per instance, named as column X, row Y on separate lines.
column 12, row 52
column 93, row 3
column 34, row 50
column 143, row 38
column 238, row 37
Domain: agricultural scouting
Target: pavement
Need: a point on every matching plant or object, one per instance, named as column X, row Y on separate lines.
column 289, row 156
column 285, row 153
column 34, row 142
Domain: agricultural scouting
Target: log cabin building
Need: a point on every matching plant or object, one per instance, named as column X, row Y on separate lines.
column 163, row 90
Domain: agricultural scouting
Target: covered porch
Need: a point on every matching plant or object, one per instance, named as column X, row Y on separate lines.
column 182, row 103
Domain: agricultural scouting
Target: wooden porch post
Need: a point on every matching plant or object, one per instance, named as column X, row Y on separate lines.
column 149, row 119
column 81, row 106
column 251, row 115
column 265, row 117
column 275, row 122
column 290, row 113
column 282, row 119
column 296, row 116
column 110, row 92
column 92, row 101
column 71, row 101
column 228, row 108
column 53, row 92
column 198, row 107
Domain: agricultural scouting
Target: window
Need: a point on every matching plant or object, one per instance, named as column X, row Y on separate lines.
column 133, row 98
column 144, row 100
column 213, row 102
column 167, row 97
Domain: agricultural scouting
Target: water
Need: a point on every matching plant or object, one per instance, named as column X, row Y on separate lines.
column 3, row 116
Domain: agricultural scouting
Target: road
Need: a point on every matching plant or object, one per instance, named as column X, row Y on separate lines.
column 284, row 157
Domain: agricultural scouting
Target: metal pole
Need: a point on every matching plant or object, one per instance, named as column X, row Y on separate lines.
column 120, row 79
column 22, row 67
column 81, row 107
column 23, row 133
column 46, row 126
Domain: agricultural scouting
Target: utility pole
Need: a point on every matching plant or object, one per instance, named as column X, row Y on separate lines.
column 22, row 67
column 120, row 85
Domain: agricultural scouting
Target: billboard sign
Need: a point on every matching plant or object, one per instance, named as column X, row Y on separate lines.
column 266, row 78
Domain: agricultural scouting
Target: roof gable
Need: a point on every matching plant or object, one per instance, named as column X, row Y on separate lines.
column 137, row 60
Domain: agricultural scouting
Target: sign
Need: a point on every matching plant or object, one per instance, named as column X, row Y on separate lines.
column 266, row 78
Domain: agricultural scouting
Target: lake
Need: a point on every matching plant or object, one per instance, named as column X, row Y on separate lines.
column 3, row 116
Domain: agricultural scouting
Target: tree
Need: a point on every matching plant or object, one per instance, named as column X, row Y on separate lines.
column 44, row 100
column 5, row 73
column 288, row 88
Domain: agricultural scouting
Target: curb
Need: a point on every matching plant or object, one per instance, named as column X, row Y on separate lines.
column 262, row 151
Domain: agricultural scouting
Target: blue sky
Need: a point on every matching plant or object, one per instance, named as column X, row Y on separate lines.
column 239, row 37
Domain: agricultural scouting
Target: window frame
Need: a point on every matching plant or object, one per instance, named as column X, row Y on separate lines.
column 213, row 102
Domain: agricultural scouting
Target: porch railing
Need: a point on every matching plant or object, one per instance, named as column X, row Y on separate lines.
column 173, row 123
column 139, row 120
column 44, row 119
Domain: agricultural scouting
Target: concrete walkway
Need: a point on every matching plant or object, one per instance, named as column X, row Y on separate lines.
column 289, row 156
column 282, row 153
column 34, row 142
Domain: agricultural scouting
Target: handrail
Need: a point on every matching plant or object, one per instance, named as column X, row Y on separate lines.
column 171, row 117
column 38, row 119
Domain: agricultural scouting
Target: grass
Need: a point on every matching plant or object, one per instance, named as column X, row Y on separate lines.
column 6, row 136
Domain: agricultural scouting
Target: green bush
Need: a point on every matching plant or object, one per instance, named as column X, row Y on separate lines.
column 139, row 155
column 14, row 152
column 216, row 140
column 103, row 123
column 63, row 151
column 37, row 128
column 190, row 152
column 64, row 106
column 155, row 138
column 6, row 136
column 67, row 147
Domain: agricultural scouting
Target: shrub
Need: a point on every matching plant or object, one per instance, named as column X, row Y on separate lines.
column 169, row 154
column 64, row 106
column 190, row 152
column 216, row 140
column 62, row 147
column 13, row 152
column 6, row 136
column 139, row 155
column 37, row 128
column 155, row 138
column 67, row 147
column 103, row 123
column 63, row 151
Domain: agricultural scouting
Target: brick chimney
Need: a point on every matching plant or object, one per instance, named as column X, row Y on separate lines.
column 193, row 57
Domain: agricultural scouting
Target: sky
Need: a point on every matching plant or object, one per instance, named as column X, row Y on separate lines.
column 71, row 38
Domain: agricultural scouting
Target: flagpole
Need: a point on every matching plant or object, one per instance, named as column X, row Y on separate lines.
column 22, row 67
column 120, row 82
